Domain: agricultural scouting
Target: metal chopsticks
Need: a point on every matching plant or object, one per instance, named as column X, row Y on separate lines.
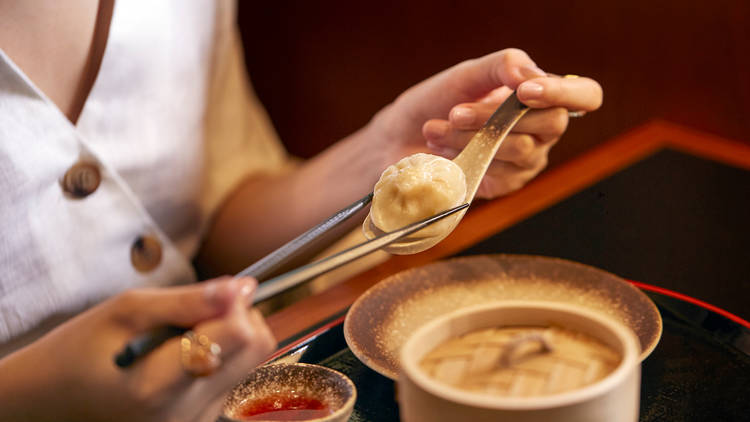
column 301, row 244
column 142, row 345
column 292, row 278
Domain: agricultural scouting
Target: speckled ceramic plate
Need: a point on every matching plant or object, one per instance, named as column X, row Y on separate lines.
column 380, row 321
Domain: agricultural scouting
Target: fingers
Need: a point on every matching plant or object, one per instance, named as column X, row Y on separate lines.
column 526, row 146
column 239, row 358
column 497, row 96
column 184, row 306
column 504, row 177
column 520, row 149
column 546, row 124
column 245, row 341
column 468, row 81
column 572, row 93
column 241, row 333
column 509, row 67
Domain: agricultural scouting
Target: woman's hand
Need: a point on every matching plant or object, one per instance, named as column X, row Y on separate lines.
column 441, row 114
column 427, row 117
column 69, row 374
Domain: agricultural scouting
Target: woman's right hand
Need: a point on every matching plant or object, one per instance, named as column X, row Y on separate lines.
column 69, row 374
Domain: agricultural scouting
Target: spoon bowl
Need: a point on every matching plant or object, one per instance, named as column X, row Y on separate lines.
column 474, row 160
column 413, row 243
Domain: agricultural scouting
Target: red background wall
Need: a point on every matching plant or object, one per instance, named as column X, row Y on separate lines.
column 323, row 68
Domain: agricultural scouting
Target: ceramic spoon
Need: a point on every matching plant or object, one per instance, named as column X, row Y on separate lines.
column 474, row 161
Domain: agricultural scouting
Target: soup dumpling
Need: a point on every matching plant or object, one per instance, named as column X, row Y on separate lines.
column 417, row 187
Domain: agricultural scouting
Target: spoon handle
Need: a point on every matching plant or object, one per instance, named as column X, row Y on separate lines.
column 481, row 149
column 474, row 161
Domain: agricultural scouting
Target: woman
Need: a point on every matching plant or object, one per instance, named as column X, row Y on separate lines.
column 131, row 143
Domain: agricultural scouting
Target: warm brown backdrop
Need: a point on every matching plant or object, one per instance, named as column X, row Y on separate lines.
column 322, row 68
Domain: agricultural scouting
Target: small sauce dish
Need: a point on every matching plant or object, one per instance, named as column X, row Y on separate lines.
column 291, row 392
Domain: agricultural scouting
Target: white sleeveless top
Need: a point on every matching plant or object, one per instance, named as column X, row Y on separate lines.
column 172, row 125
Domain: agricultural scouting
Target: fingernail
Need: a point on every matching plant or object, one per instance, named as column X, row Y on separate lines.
column 463, row 116
column 446, row 152
column 530, row 91
column 218, row 293
column 436, row 130
column 531, row 71
column 210, row 291
column 247, row 291
column 434, row 147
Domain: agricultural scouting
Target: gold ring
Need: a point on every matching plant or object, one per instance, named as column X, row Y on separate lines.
column 199, row 355
column 569, row 76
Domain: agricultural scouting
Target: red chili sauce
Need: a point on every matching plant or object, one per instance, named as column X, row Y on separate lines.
column 282, row 407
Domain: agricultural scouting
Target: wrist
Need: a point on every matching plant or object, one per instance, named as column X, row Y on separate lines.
column 355, row 163
column 380, row 144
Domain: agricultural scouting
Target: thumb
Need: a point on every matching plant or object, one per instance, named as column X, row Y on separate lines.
column 183, row 306
column 470, row 80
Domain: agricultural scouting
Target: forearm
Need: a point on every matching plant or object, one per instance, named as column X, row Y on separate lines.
column 263, row 213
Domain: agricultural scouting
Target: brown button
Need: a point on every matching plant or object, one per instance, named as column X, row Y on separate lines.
column 81, row 180
column 145, row 254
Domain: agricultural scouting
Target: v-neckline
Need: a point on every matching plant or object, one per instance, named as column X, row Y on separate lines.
column 100, row 40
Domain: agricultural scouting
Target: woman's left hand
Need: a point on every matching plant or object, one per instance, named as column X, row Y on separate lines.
column 442, row 113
